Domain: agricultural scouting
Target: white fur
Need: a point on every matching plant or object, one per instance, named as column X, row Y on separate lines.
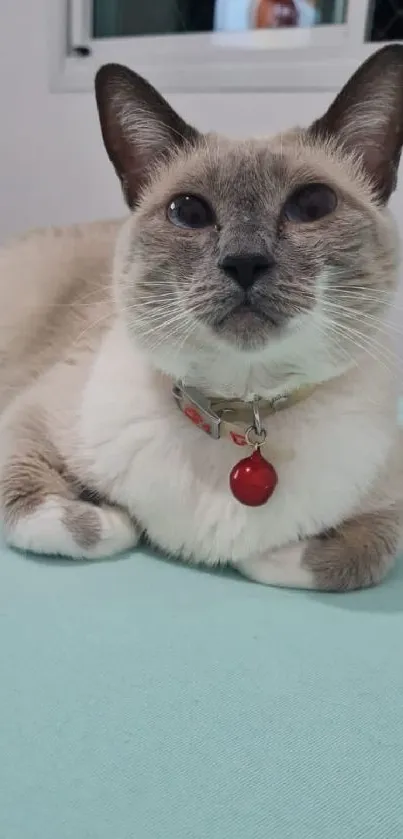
column 280, row 568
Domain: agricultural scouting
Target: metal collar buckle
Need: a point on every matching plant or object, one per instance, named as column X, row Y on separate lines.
column 197, row 408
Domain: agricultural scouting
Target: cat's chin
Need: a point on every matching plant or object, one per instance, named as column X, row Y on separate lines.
column 247, row 328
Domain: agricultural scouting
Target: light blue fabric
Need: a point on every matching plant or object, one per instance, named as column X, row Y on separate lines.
column 145, row 700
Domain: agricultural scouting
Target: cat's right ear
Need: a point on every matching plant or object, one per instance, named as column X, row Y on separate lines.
column 138, row 126
column 366, row 118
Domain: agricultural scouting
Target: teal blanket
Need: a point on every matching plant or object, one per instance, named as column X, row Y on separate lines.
column 145, row 700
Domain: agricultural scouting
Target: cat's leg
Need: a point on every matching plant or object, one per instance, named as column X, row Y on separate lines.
column 357, row 554
column 43, row 509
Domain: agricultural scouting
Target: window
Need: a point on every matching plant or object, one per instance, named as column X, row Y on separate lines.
column 210, row 45
column 162, row 17
column 387, row 21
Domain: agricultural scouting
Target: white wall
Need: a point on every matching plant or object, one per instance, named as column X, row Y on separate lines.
column 53, row 168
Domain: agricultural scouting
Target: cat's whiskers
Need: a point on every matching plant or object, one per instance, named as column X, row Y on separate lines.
column 381, row 320
column 333, row 313
column 174, row 324
column 339, row 335
column 374, row 301
column 90, row 327
column 329, row 316
column 382, row 300
column 361, row 341
column 374, row 322
column 336, row 346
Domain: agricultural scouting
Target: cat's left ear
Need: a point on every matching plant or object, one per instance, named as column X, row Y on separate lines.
column 367, row 117
column 138, row 126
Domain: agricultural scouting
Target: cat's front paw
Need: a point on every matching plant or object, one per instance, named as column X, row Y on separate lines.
column 282, row 567
column 357, row 554
column 74, row 529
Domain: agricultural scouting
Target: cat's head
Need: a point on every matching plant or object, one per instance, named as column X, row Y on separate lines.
column 277, row 251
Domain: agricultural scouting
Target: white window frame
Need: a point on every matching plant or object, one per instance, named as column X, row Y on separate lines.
column 317, row 58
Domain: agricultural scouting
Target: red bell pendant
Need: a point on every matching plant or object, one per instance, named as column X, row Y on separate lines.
column 253, row 480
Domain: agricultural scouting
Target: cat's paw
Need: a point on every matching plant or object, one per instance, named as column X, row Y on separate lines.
column 356, row 554
column 282, row 567
column 73, row 529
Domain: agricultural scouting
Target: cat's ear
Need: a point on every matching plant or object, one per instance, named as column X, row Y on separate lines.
column 138, row 126
column 367, row 117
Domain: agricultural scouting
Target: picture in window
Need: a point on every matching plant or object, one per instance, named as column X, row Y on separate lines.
column 113, row 18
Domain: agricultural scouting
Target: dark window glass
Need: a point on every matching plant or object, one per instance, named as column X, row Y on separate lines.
column 117, row 18
column 386, row 21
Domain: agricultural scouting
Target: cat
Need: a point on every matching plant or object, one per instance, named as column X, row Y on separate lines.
column 246, row 299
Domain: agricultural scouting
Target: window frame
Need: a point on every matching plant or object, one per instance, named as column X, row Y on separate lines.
column 319, row 58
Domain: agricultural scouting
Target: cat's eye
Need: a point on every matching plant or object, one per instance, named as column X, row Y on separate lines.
column 190, row 211
column 310, row 203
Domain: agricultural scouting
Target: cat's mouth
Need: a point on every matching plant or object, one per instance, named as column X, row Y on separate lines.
column 250, row 312
column 246, row 325
column 245, row 313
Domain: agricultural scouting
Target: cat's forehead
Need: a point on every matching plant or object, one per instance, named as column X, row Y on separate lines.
column 222, row 164
column 250, row 167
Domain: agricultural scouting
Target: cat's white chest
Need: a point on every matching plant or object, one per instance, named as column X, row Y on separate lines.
column 144, row 454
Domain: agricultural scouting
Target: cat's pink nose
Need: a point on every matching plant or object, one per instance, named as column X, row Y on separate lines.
column 246, row 268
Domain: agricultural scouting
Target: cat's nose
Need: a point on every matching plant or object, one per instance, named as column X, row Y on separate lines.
column 246, row 268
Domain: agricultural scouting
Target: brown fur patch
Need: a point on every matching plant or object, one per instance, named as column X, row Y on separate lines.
column 33, row 474
column 356, row 555
column 28, row 480
column 83, row 524
column 38, row 472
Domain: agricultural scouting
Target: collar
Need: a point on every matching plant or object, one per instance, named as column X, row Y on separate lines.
column 233, row 419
